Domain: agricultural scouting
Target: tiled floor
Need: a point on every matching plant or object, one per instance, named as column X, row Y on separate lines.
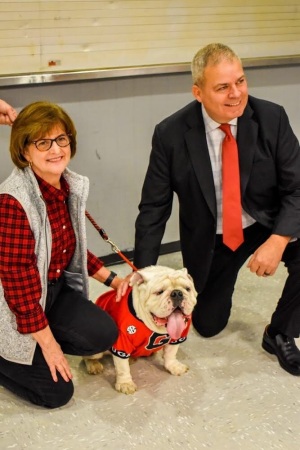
column 235, row 395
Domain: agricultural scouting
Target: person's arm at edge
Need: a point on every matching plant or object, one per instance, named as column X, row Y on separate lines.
column 7, row 113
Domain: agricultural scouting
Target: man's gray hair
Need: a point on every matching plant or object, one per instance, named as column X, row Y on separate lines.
column 211, row 54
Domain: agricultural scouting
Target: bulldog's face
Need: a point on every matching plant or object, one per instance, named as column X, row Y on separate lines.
column 163, row 298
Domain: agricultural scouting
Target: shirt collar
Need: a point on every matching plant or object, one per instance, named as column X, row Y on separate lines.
column 50, row 193
column 210, row 124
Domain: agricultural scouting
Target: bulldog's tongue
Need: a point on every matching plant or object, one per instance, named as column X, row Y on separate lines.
column 176, row 324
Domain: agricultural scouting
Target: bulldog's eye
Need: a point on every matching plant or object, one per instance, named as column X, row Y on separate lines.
column 159, row 292
column 188, row 289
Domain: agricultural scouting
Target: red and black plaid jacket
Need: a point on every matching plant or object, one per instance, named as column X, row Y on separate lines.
column 18, row 263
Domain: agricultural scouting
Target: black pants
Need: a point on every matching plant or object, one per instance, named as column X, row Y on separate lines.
column 80, row 327
column 214, row 303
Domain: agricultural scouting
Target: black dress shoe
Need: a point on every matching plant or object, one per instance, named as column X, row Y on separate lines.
column 285, row 349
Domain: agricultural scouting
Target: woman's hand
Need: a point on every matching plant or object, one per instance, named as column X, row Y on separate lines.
column 53, row 354
column 121, row 285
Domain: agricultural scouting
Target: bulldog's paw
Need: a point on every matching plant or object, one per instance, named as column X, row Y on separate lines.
column 176, row 367
column 126, row 388
column 93, row 366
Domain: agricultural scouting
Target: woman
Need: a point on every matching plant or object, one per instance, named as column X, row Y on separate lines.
column 45, row 264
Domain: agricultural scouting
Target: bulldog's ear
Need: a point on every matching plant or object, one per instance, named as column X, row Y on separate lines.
column 136, row 278
column 185, row 271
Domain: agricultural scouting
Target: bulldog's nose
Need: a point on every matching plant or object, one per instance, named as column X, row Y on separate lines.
column 176, row 297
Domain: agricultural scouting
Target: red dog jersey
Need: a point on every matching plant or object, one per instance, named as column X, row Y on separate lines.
column 135, row 339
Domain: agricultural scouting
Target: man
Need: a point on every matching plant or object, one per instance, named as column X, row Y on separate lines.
column 186, row 158
column 7, row 113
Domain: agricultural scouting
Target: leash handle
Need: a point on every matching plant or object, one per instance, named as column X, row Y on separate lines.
column 105, row 237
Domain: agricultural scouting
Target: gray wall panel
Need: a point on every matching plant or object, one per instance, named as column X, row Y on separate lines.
column 115, row 120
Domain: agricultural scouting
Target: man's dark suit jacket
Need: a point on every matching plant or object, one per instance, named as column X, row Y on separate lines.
column 269, row 158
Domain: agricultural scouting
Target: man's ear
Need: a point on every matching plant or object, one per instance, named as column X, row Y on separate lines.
column 197, row 92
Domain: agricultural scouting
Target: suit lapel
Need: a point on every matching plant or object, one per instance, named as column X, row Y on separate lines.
column 246, row 140
column 197, row 147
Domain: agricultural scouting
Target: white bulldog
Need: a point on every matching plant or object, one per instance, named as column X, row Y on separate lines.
column 155, row 313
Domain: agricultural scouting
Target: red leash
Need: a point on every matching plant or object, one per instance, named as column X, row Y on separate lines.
column 106, row 239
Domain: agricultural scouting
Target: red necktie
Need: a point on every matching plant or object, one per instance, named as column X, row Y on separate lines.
column 232, row 208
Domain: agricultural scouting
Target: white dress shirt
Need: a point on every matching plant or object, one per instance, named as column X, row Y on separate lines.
column 214, row 138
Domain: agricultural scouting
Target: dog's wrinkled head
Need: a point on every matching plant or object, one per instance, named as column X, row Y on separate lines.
column 163, row 298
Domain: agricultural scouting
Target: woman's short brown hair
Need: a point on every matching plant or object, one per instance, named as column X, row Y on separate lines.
column 34, row 122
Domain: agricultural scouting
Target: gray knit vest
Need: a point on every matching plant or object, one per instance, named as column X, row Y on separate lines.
column 23, row 186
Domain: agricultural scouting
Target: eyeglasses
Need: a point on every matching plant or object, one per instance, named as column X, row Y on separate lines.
column 43, row 145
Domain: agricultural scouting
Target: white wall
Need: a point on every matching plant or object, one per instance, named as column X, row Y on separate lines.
column 51, row 35
column 115, row 120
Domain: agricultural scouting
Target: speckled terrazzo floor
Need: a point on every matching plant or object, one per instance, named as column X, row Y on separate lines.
column 235, row 395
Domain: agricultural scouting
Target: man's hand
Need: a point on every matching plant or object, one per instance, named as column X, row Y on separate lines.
column 266, row 258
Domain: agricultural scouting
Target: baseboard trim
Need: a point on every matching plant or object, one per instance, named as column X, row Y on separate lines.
column 114, row 258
